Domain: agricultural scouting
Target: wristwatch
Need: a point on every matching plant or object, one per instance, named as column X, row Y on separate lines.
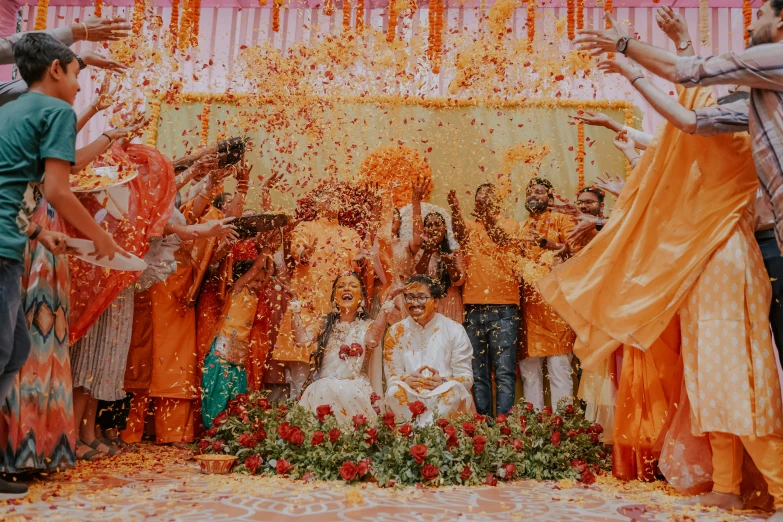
column 622, row 44
column 543, row 242
column 82, row 65
column 684, row 45
column 599, row 224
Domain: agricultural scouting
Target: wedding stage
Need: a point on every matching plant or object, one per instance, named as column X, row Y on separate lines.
column 164, row 484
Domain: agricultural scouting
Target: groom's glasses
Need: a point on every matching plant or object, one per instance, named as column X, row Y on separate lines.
column 416, row 299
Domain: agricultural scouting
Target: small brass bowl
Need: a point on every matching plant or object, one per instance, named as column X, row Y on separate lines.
column 216, row 464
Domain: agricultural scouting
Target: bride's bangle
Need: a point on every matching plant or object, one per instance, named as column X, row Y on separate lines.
column 388, row 306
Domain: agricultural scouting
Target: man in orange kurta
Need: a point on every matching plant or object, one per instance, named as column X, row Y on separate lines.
column 547, row 336
column 640, row 280
column 162, row 359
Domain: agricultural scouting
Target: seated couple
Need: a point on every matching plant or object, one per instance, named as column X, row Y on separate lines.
column 426, row 357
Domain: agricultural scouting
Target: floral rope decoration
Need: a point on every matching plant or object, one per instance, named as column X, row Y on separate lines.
column 41, row 13
column 185, row 24
column 360, row 16
column 531, row 20
column 206, row 111
column 435, row 50
column 329, row 7
column 174, row 25
column 391, row 33
column 98, row 8
column 346, row 15
column 195, row 23
column 608, row 9
column 137, row 20
column 704, row 21
column 152, row 129
column 570, row 7
column 580, row 14
column 747, row 18
column 276, row 5
column 580, row 152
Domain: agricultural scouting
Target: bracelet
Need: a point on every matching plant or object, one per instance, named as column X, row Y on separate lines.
column 86, row 31
column 108, row 137
column 36, row 232
column 637, row 78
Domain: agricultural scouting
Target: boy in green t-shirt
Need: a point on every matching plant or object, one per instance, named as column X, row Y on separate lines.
column 37, row 138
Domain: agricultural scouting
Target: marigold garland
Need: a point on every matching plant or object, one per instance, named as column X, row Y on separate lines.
column 570, row 18
column 608, row 8
column 391, row 33
column 152, row 128
column 185, row 24
column 360, row 16
column 195, row 23
column 174, row 25
column 346, row 15
column 262, row 3
column 580, row 14
column 329, row 7
column 704, row 21
column 747, row 18
column 276, row 5
column 206, row 112
column 98, row 8
column 137, row 19
column 580, row 153
column 435, row 36
column 41, row 13
column 531, row 20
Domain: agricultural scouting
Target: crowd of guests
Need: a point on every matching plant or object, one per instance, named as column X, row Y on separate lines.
column 421, row 303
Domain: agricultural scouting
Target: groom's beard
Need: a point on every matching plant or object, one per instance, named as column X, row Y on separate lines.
column 535, row 206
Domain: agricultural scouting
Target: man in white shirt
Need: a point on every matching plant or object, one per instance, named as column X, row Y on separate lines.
column 427, row 358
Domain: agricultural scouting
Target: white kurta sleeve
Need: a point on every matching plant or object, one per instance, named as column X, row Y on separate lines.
column 462, row 357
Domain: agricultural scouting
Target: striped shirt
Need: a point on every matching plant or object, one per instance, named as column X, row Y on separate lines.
column 760, row 68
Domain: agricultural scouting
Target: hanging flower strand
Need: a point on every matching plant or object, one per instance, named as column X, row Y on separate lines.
column 580, row 153
column 608, row 9
column 152, row 129
column 195, row 23
column 329, row 7
column 276, row 5
column 437, row 37
column 174, row 25
column 206, row 111
column 391, row 34
column 360, row 16
column 98, row 8
column 346, row 15
column 704, row 21
column 570, row 8
column 137, row 20
column 580, row 14
column 531, row 20
column 41, row 13
column 747, row 18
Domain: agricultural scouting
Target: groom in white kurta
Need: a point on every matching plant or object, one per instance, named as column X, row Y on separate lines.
column 427, row 358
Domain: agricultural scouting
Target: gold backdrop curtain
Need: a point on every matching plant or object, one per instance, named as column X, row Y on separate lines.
column 464, row 146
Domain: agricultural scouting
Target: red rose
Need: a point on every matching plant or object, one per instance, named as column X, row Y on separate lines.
column 318, row 438
column 478, row 444
column 429, row 472
column 245, row 419
column 259, row 435
column 452, row 442
column 557, row 421
column 569, row 410
column 528, row 406
column 518, row 444
column 374, row 397
column 479, row 418
column 204, row 445
column 500, row 419
column 241, row 398
column 217, row 445
column 450, row 431
column 283, row 467
column 547, row 410
column 359, row 420
column 284, row 431
column 595, row 438
column 417, row 408
column 442, row 423
column 406, row 430
column 388, row 420
column 509, row 470
column 505, row 430
column 253, row 462
column 469, row 428
column 513, row 409
column 466, row 472
column 246, row 440
column 334, row 435
column 323, row 412
column 211, row 432
column 555, row 439
column 580, row 466
column 363, row 467
column 282, row 408
column 376, row 409
column 599, row 429
column 345, row 352
column 262, row 403
column 297, row 436
column 370, row 436
column 348, row 471
column 491, row 480
column 571, row 433
column 587, row 477
column 580, row 431
column 356, row 350
column 419, row 453
column 217, row 421
column 523, row 423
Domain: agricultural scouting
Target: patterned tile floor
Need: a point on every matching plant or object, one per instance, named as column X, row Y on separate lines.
column 164, row 484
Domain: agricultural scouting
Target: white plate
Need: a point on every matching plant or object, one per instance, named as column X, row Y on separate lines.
column 112, row 173
column 87, row 247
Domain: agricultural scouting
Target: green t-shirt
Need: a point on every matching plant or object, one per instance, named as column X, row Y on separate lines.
column 32, row 128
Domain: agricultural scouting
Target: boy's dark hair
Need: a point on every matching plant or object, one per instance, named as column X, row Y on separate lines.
column 437, row 290
column 35, row 52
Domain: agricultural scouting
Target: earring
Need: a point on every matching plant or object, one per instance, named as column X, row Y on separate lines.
column 360, row 310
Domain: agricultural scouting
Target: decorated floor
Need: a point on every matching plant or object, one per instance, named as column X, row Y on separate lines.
column 164, row 484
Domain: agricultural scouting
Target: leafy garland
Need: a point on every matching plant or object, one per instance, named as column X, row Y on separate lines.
column 285, row 439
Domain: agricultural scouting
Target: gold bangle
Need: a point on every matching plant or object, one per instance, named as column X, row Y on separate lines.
column 86, row 31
